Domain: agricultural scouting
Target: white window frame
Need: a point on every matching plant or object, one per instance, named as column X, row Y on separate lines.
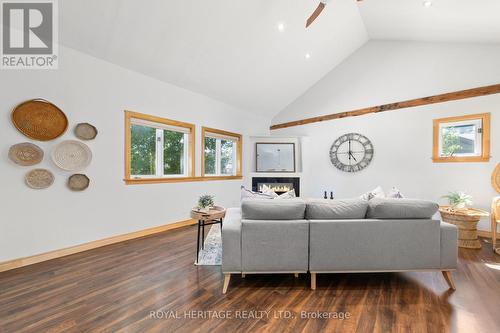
column 159, row 140
column 218, row 154
column 220, row 135
column 478, row 139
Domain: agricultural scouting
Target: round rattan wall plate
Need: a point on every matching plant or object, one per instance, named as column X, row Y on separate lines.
column 25, row 154
column 495, row 178
column 39, row 178
column 40, row 120
column 85, row 131
column 78, row 182
column 72, row 155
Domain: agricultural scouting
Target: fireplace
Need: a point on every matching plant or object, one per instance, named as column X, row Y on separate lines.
column 278, row 184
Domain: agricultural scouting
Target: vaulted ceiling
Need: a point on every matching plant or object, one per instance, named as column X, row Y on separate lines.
column 234, row 51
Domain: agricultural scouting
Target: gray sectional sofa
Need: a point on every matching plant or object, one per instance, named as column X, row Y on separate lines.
column 336, row 236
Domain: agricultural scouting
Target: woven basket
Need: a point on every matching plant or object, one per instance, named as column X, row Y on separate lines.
column 466, row 220
column 78, row 182
column 25, row 154
column 85, row 131
column 40, row 120
column 72, row 155
column 39, row 178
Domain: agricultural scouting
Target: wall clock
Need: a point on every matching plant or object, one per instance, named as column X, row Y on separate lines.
column 351, row 152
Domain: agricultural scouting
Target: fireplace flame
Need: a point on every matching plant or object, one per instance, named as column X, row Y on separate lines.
column 276, row 187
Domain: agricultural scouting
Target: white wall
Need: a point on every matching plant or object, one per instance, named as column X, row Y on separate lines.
column 94, row 91
column 384, row 72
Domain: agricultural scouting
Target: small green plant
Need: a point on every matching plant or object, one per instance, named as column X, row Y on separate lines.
column 206, row 201
column 458, row 199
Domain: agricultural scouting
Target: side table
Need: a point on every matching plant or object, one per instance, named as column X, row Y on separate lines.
column 214, row 216
column 466, row 220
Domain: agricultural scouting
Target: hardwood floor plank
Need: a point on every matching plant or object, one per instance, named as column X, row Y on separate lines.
column 116, row 289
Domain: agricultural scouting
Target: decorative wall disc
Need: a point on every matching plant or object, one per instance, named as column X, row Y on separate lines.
column 40, row 120
column 72, row 155
column 26, row 154
column 85, row 131
column 78, row 182
column 39, row 178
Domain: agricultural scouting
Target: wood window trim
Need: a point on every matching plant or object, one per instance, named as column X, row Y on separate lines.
column 239, row 153
column 129, row 115
column 485, row 154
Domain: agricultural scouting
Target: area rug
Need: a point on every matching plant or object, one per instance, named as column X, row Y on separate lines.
column 211, row 254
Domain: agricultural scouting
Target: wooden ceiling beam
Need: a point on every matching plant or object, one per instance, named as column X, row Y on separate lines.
column 451, row 96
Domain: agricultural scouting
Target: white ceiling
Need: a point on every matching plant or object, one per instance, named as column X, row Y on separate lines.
column 476, row 21
column 231, row 50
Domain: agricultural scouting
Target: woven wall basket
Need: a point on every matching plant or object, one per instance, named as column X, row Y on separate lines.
column 85, row 131
column 39, row 178
column 26, row 154
column 72, row 155
column 40, row 120
column 78, row 182
column 495, row 178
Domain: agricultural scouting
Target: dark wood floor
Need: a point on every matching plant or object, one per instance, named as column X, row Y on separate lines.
column 115, row 288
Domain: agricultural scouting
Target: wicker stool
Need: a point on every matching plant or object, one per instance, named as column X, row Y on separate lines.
column 466, row 220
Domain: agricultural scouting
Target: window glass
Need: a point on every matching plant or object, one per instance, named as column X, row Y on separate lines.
column 210, row 156
column 461, row 138
column 227, row 157
column 143, row 150
column 221, row 153
column 173, row 153
column 458, row 140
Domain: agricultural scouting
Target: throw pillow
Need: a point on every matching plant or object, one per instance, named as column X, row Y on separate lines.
column 378, row 192
column 250, row 194
column 395, row 193
column 287, row 195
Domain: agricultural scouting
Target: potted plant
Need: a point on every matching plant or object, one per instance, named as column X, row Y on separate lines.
column 205, row 203
column 458, row 200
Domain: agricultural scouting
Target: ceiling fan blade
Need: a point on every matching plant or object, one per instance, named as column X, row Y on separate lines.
column 315, row 14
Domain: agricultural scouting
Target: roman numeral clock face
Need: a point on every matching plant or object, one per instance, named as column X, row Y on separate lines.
column 351, row 152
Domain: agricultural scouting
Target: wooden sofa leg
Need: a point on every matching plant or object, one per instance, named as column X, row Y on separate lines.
column 313, row 281
column 449, row 279
column 227, row 277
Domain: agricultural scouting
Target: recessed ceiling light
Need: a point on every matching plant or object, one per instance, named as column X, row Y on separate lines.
column 427, row 3
column 281, row 26
column 307, row 55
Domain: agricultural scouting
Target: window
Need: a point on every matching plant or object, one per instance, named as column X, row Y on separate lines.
column 222, row 152
column 462, row 139
column 157, row 149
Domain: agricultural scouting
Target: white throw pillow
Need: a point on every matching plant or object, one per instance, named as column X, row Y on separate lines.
column 287, row 195
column 250, row 194
column 378, row 192
column 395, row 193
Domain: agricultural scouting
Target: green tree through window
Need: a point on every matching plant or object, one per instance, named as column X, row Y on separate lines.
column 210, row 151
column 143, row 150
column 227, row 157
column 173, row 153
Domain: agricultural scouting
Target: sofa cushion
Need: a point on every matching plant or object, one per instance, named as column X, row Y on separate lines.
column 320, row 209
column 391, row 208
column 263, row 209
